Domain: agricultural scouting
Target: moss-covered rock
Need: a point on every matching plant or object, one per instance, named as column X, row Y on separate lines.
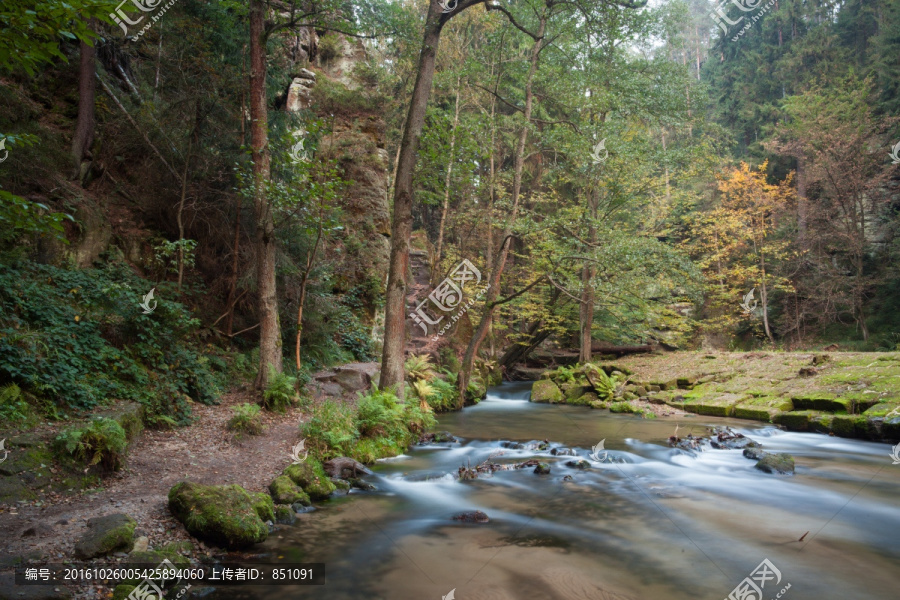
column 585, row 399
column 797, row 420
column 574, row 391
column 545, row 390
column 263, row 505
column 285, row 491
column 599, row 404
column 107, row 534
column 310, row 476
column 542, row 469
column 285, row 515
column 782, row 464
column 621, row 407
column 224, row 515
column 763, row 408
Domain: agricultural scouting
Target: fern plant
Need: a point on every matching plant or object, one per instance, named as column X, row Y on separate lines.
column 246, row 419
column 419, row 368
column 281, row 391
column 102, row 441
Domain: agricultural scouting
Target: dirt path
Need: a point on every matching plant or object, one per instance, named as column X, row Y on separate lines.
column 204, row 452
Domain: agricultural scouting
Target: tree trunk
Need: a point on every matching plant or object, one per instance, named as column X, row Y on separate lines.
column 586, row 309
column 392, row 356
column 494, row 291
column 435, row 269
column 310, row 261
column 269, row 326
column 84, row 126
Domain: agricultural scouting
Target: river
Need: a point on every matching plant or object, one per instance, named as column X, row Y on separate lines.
column 649, row 522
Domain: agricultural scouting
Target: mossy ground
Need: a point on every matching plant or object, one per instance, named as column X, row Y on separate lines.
column 850, row 394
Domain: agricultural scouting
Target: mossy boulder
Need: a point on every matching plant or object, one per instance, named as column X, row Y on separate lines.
column 818, row 401
column 224, row 515
column 782, row 464
column 105, row 535
column 263, row 505
column 585, row 399
column 285, row 515
column 574, row 391
column 542, row 469
column 545, row 390
column 310, row 476
column 285, row 491
column 599, row 404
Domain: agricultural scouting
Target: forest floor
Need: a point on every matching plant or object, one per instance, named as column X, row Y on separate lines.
column 204, row 452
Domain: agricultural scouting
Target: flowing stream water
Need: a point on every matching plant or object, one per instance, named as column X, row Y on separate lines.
column 649, row 522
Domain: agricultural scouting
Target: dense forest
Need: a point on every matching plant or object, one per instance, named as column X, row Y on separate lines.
column 361, row 215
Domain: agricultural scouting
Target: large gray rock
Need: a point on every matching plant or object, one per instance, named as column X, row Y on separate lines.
column 105, row 535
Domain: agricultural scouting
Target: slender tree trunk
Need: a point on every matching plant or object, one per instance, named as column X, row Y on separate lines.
column 586, row 308
column 180, row 213
column 493, row 292
column 84, row 126
column 764, row 291
column 435, row 270
column 392, row 356
column 269, row 326
column 802, row 203
column 310, row 260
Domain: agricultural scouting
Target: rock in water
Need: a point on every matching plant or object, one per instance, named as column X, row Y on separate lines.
column 310, row 476
column 782, row 464
column 545, row 390
column 224, row 515
column 476, row 516
column 105, row 535
column 542, row 469
column 285, row 491
column 344, row 468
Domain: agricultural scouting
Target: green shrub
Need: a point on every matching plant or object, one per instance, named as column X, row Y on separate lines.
column 380, row 426
column 13, row 406
column 246, row 419
column 102, row 441
column 330, row 430
column 444, row 396
column 80, row 338
column 281, row 391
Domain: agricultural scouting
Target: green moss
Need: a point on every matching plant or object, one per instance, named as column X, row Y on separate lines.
column 821, row 423
column 545, row 390
column 585, row 399
column 762, row 408
column 285, row 491
column 122, row 591
column 106, row 535
column 796, row 420
column 263, row 505
column 621, row 407
column 721, row 406
column 310, row 476
column 225, row 515
column 883, row 409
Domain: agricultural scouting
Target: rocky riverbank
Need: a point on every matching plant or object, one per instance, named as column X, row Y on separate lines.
column 839, row 393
